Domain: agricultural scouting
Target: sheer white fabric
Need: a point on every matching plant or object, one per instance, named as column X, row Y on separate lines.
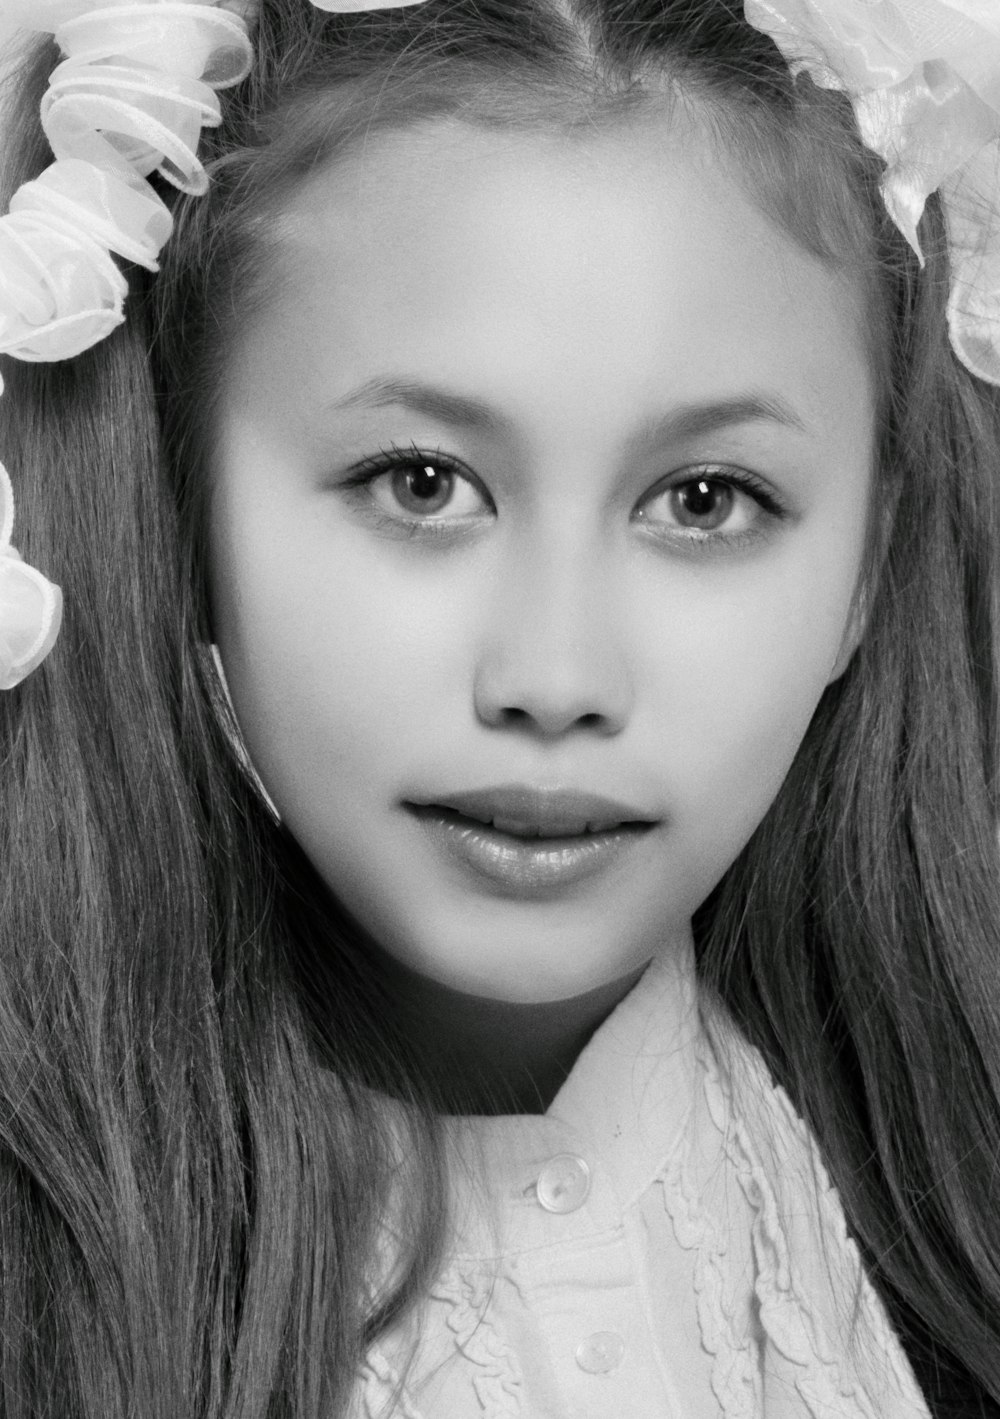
column 30, row 606
column 346, row 7
column 59, row 287
column 135, row 89
column 924, row 79
column 131, row 97
column 138, row 83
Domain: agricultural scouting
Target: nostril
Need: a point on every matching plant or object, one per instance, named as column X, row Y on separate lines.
column 552, row 693
column 550, row 721
column 513, row 714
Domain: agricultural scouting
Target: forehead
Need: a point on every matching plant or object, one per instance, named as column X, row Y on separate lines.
column 628, row 263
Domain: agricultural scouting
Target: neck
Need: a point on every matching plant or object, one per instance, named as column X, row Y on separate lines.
column 496, row 1056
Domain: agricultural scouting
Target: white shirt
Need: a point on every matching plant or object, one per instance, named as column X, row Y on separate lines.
column 663, row 1243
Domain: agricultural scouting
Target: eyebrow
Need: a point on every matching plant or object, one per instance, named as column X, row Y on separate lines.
column 441, row 404
column 461, row 411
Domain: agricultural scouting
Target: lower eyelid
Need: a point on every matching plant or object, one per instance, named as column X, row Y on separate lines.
column 399, row 525
column 682, row 542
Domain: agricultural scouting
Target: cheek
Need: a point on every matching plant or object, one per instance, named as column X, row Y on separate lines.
column 735, row 680
column 334, row 668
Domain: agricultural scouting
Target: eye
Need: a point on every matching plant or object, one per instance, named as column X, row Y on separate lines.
column 705, row 503
column 426, row 488
column 412, row 487
column 729, row 503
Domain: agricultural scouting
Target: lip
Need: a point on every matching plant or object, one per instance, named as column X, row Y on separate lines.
column 526, row 811
column 527, row 842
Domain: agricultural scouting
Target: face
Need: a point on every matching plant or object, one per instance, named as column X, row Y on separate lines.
column 540, row 509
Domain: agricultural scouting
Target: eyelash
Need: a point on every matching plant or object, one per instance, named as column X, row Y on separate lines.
column 388, row 460
column 706, row 540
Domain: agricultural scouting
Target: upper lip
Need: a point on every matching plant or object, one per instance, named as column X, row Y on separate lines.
column 547, row 812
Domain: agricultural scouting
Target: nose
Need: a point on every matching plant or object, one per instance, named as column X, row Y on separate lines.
column 552, row 658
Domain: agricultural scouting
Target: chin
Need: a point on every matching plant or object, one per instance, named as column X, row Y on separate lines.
column 522, row 971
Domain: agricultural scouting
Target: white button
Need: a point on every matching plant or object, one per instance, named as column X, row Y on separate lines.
column 563, row 1183
column 601, row 1352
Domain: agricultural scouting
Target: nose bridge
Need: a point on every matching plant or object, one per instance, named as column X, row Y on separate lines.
column 552, row 652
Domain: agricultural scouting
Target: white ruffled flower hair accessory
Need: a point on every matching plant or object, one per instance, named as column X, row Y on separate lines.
column 136, row 86
column 924, row 80
column 138, row 82
column 30, row 606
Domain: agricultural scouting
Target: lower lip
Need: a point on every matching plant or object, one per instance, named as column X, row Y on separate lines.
column 527, row 866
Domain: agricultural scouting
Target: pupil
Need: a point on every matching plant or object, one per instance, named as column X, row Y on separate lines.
column 704, row 502
column 424, row 482
column 421, row 487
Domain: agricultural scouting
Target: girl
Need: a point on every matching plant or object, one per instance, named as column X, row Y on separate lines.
column 559, row 973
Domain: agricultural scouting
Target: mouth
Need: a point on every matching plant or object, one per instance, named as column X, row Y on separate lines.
column 527, row 842
column 529, row 830
column 524, row 812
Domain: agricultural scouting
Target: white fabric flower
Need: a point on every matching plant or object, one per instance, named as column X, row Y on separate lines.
column 30, row 606
column 47, row 16
column 350, row 7
column 924, row 79
column 60, row 291
column 59, row 294
column 135, row 89
column 138, row 85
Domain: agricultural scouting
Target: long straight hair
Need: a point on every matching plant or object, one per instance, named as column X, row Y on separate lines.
column 206, row 1116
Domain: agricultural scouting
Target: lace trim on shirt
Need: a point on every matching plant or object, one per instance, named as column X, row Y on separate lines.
column 788, row 1319
column 498, row 1381
column 382, row 1393
column 736, row 1360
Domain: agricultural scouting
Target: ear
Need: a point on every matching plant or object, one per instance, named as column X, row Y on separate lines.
column 857, row 623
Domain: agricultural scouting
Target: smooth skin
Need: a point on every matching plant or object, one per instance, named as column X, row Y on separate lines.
column 610, row 319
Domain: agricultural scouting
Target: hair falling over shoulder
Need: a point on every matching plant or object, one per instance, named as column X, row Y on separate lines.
column 204, row 1116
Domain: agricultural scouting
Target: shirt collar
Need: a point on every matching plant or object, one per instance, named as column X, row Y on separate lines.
column 621, row 1110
